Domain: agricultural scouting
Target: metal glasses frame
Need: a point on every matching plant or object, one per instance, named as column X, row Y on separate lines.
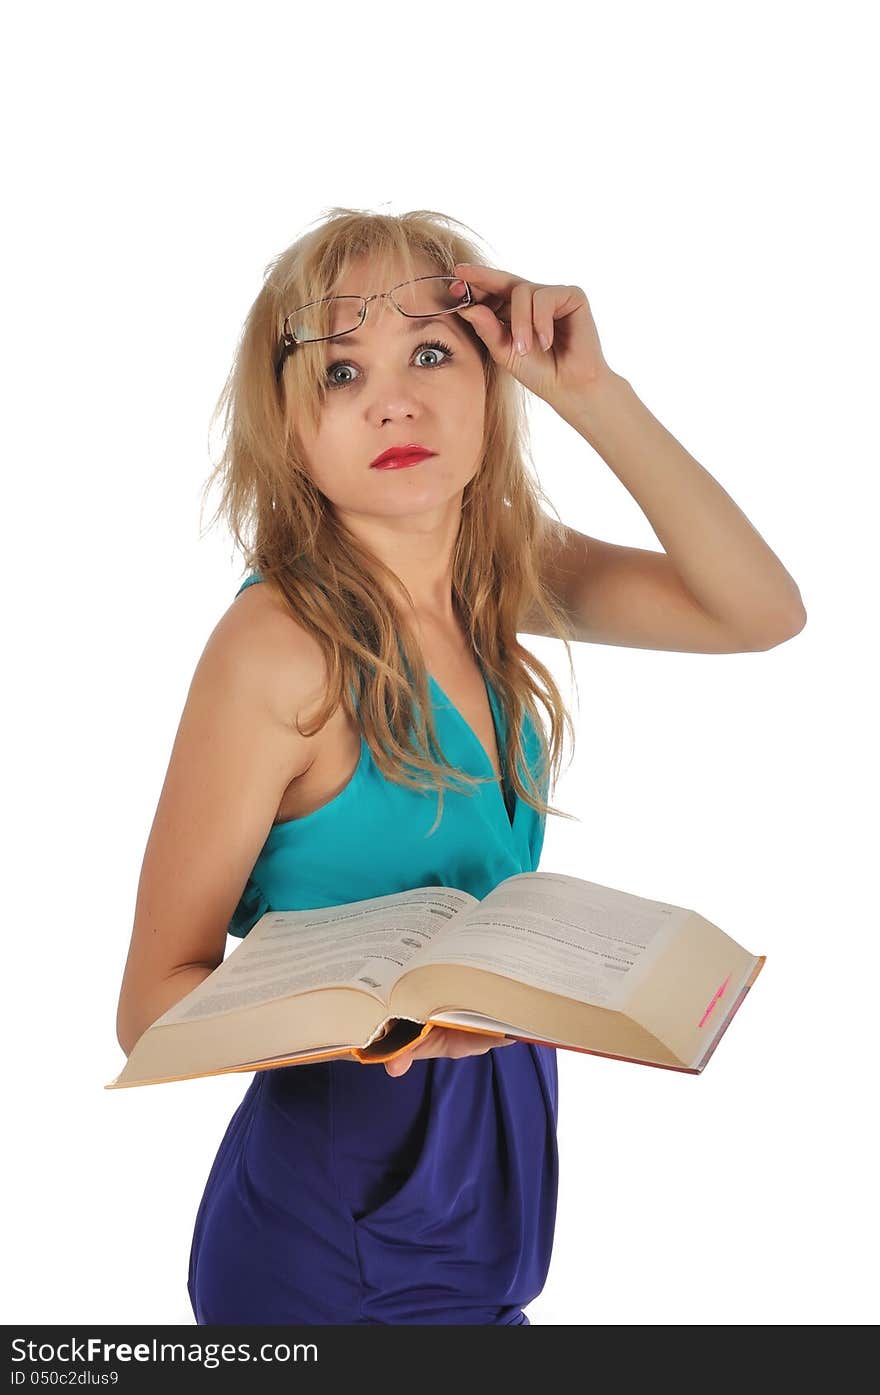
column 289, row 340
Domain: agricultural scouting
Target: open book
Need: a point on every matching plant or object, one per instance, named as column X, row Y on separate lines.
column 543, row 957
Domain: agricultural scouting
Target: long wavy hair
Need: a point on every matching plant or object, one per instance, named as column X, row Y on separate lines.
column 334, row 586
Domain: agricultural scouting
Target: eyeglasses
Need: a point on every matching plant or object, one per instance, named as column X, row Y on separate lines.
column 422, row 298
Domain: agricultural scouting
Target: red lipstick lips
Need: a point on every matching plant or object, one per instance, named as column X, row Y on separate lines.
column 397, row 457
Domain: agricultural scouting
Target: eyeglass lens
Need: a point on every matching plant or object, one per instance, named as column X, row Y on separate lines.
column 431, row 295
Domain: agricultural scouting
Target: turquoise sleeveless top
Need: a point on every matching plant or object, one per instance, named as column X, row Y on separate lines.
column 340, row 1194
column 372, row 839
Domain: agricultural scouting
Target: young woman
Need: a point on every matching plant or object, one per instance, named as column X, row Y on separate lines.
column 364, row 720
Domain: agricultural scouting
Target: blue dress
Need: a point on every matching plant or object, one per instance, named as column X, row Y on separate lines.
column 341, row 1194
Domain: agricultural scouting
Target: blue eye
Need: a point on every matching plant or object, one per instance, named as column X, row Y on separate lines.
column 429, row 344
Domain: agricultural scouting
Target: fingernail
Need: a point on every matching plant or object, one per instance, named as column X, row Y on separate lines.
column 545, row 342
column 520, row 346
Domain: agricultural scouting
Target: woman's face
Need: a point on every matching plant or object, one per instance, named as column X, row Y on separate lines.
column 386, row 388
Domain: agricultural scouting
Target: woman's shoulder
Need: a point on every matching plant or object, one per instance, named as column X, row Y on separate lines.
column 258, row 634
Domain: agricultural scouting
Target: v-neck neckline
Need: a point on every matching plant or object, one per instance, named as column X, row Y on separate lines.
column 497, row 785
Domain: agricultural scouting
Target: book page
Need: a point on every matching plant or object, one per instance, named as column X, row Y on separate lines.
column 559, row 933
column 364, row 945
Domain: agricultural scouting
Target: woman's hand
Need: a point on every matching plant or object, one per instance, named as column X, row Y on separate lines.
column 446, row 1041
column 560, row 357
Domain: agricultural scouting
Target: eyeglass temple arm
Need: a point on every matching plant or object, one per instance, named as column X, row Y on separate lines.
column 287, row 343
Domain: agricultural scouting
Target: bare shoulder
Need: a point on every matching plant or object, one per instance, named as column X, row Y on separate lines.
column 236, row 752
column 265, row 650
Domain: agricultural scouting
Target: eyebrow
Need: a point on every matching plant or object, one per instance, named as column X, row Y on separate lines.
column 416, row 326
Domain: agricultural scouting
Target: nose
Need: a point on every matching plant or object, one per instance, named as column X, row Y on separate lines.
column 392, row 395
column 394, row 406
column 393, row 387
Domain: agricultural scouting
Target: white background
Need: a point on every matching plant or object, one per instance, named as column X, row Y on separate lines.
column 704, row 172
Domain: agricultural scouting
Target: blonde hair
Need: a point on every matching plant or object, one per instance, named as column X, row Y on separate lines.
column 334, row 586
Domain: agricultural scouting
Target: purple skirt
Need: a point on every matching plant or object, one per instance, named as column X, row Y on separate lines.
column 340, row 1194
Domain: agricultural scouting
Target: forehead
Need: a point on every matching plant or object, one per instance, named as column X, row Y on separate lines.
column 372, row 278
column 408, row 325
column 368, row 275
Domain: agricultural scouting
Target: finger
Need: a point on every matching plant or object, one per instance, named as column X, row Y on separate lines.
column 521, row 313
column 493, row 289
column 488, row 280
column 484, row 315
column 477, row 296
column 440, row 1041
column 545, row 302
column 466, row 1043
column 456, row 1045
column 399, row 1065
column 493, row 331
